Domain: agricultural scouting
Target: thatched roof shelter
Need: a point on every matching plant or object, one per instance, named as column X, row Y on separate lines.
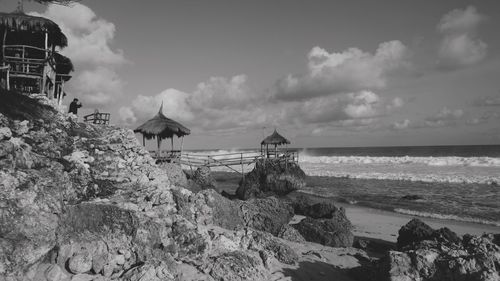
column 275, row 138
column 161, row 127
column 20, row 22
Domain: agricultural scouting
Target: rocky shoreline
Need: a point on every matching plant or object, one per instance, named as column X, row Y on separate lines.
column 86, row 202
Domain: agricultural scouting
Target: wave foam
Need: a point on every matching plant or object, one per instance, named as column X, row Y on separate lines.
column 446, row 217
column 430, row 161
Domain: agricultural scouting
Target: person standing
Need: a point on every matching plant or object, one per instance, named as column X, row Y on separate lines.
column 73, row 106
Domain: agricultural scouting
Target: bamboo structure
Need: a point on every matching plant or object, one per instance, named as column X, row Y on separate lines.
column 29, row 61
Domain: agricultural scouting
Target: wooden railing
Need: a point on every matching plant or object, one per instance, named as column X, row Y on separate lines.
column 26, row 60
column 218, row 160
column 97, row 118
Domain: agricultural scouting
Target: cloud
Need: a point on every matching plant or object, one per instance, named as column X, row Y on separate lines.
column 221, row 104
column 95, row 82
column 401, row 125
column 484, row 118
column 487, row 101
column 89, row 37
column 349, row 71
column 445, row 117
column 216, row 104
column 97, row 87
column 460, row 46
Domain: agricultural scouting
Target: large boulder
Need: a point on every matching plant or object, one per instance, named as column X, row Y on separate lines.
column 210, row 207
column 416, row 231
column 319, row 209
column 333, row 232
column 439, row 255
column 271, row 177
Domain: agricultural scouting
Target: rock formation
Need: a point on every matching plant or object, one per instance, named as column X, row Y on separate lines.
column 431, row 255
column 271, row 177
column 85, row 202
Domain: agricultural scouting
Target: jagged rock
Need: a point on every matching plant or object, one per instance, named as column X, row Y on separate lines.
column 203, row 177
column 416, row 231
column 334, row 232
column 152, row 271
column 80, row 263
column 235, row 266
column 271, row 177
column 5, row 133
column 267, row 214
column 438, row 255
column 81, row 198
column 304, row 206
column 176, row 174
column 289, row 233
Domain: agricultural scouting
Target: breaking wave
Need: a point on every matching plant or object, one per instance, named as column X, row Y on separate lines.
column 430, row 161
column 447, row 217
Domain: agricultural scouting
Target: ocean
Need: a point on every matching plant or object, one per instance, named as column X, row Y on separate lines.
column 450, row 182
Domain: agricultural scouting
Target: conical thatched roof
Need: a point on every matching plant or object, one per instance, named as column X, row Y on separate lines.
column 163, row 127
column 21, row 22
column 276, row 139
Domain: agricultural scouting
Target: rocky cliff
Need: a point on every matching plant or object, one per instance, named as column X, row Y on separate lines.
column 86, row 202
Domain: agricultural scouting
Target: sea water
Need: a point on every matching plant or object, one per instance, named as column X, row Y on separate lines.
column 451, row 182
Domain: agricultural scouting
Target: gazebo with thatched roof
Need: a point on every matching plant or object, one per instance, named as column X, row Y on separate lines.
column 161, row 127
column 28, row 57
column 274, row 139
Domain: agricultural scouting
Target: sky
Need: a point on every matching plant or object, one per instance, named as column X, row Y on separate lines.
column 323, row 73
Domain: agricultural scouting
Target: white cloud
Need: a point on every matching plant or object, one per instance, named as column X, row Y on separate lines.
column 401, row 125
column 460, row 21
column 97, row 87
column 349, row 71
column 95, row 82
column 445, row 117
column 89, row 37
column 460, row 47
column 217, row 104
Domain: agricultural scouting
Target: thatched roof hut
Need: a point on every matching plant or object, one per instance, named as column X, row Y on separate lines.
column 275, row 138
column 20, row 22
column 161, row 127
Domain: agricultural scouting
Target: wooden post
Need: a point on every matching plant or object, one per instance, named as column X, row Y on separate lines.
column 172, row 143
column 143, row 141
column 3, row 58
column 158, row 140
column 8, row 78
column 61, row 93
column 45, row 64
column 3, row 45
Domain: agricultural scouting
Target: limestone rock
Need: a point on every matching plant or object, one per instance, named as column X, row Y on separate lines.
column 236, row 266
column 5, row 133
column 80, row 263
column 334, row 232
column 203, row 177
column 271, row 177
column 438, row 255
column 289, row 233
